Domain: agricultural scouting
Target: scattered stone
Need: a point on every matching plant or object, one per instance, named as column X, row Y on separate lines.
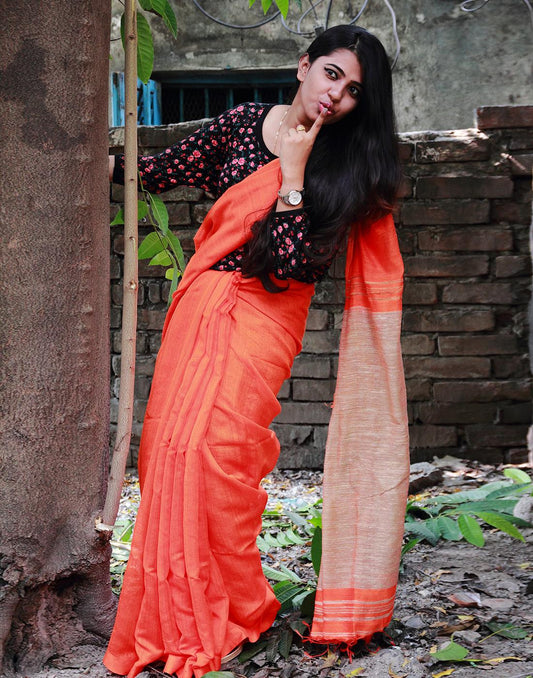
column 524, row 509
column 415, row 622
column 422, row 475
column 467, row 636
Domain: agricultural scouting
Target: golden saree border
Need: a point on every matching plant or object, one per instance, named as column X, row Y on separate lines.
column 366, row 469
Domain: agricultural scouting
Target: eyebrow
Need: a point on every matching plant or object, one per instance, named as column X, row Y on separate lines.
column 355, row 82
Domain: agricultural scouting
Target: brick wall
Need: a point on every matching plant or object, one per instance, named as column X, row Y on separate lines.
column 463, row 226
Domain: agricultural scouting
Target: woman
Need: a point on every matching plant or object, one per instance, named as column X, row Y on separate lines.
column 194, row 588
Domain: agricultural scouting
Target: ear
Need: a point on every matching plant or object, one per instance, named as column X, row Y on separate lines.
column 303, row 67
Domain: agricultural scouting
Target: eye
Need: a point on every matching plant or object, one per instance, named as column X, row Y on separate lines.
column 355, row 92
column 330, row 73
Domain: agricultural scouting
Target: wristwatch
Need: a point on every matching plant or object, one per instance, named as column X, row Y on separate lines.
column 292, row 198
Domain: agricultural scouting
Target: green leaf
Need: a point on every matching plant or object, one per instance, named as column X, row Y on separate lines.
column 500, row 505
column 290, row 574
column 453, row 652
column 421, row 530
column 151, row 245
column 285, row 642
column 449, row 528
column 175, row 246
column 161, row 259
column 471, row 530
column 251, row 650
column 146, row 5
column 261, row 543
column 296, row 518
column 508, row 631
column 285, row 592
column 266, row 4
column 251, row 3
column 307, row 606
column 119, row 219
column 165, row 11
column 219, row 674
column 276, row 575
column 316, row 550
column 145, row 49
column 501, row 523
column 174, row 284
column 408, row 546
column 517, row 475
column 283, row 6
column 294, row 538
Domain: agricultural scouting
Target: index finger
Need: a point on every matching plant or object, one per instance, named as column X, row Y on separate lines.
column 315, row 128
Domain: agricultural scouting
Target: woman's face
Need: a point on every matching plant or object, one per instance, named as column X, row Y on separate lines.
column 334, row 82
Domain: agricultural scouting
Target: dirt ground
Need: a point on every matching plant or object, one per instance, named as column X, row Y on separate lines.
column 452, row 588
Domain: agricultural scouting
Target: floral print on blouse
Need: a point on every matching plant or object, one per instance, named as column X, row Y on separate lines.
column 222, row 153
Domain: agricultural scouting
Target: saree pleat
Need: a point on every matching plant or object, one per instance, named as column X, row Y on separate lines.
column 194, row 586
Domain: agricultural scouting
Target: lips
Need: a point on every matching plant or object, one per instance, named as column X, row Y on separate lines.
column 327, row 106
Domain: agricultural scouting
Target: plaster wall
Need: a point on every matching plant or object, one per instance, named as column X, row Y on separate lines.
column 450, row 62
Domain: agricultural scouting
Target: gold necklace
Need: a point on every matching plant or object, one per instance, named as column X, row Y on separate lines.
column 278, row 130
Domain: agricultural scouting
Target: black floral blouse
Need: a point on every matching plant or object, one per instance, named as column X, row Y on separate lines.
column 218, row 155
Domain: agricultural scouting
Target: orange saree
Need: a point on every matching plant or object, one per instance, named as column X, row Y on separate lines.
column 194, row 587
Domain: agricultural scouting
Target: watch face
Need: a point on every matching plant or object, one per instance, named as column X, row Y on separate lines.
column 294, row 197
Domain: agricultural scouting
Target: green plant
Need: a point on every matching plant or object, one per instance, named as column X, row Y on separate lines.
column 461, row 515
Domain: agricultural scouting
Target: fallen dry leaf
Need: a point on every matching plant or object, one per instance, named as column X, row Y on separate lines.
column 466, row 599
column 500, row 660
column 448, row 672
column 392, row 674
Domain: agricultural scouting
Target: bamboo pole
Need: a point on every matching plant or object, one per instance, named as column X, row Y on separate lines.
column 131, row 281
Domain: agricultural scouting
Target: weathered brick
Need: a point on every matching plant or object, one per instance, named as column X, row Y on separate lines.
column 510, row 366
column 456, row 413
column 516, row 455
column 329, row 291
column 406, row 150
column 113, row 410
column 313, row 389
column 417, row 344
column 466, row 239
column 511, row 266
column 154, row 343
column 184, row 194
column 419, row 293
column 311, row 366
column 200, row 211
column 481, row 391
column 285, row 390
column 317, row 319
column 445, row 212
column 519, row 413
column 320, row 436
column 418, row 389
column 495, row 435
column 493, row 117
column 468, row 147
column 301, row 457
column 115, row 319
column 464, row 187
column 178, row 213
column 338, row 267
column 154, row 292
column 116, row 294
column 142, row 387
column 303, row 413
column 521, row 164
column 421, row 435
column 407, row 241
column 139, row 409
column 325, row 341
column 151, row 319
column 291, row 434
column 478, row 293
column 458, row 368
column 520, row 139
column 478, row 344
column 406, row 188
column 489, row 455
column 114, row 268
column 456, row 320
column 446, row 266
column 510, row 212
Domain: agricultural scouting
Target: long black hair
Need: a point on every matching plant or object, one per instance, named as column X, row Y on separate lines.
column 353, row 171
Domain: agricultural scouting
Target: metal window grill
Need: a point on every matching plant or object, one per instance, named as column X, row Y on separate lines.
column 148, row 101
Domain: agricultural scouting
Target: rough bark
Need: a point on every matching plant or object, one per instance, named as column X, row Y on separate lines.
column 54, row 581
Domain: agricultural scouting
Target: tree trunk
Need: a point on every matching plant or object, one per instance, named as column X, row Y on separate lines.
column 54, row 574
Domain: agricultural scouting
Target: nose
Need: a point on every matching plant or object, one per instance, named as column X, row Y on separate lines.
column 335, row 92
